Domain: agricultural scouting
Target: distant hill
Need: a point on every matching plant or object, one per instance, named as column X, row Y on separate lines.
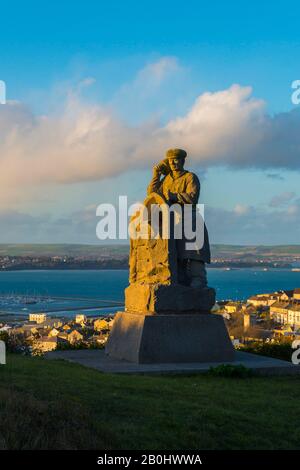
column 255, row 250
column 62, row 250
column 94, row 251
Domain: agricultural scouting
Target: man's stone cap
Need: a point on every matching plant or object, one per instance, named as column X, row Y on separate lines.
column 176, row 153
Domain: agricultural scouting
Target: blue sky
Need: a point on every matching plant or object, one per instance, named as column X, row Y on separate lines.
column 141, row 65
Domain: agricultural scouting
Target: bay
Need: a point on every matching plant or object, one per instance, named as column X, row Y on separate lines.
column 88, row 288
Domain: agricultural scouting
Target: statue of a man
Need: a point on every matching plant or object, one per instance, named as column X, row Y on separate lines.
column 180, row 186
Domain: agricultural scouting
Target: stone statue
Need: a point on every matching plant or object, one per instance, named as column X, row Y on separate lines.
column 165, row 276
column 183, row 187
column 168, row 303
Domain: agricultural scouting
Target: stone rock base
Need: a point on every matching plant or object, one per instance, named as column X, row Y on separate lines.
column 148, row 339
column 173, row 298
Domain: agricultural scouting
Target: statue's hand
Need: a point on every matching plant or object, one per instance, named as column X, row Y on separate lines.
column 172, row 197
column 162, row 167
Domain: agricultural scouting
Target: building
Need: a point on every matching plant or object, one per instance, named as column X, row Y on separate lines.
column 24, row 330
column 75, row 337
column 285, row 295
column 101, row 324
column 286, row 313
column 296, row 295
column 45, row 344
column 249, row 320
column 35, row 331
column 52, row 323
column 279, row 312
column 262, row 300
column 267, row 300
column 293, row 315
column 62, row 336
column 80, row 318
column 231, row 307
column 37, row 317
column 66, row 327
column 54, row 332
column 97, row 339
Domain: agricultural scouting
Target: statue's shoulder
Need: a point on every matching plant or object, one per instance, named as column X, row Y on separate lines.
column 192, row 177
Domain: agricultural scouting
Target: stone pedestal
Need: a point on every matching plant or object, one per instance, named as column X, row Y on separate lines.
column 172, row 338
column 165, row 320
column 175, row 298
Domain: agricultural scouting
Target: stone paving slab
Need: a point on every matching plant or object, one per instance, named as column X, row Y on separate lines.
column 97, row 359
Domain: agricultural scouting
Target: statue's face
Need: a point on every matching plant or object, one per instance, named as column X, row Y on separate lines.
column 176, row 164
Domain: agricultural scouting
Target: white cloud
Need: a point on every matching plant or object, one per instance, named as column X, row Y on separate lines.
column 241, row 209
column 85, row 142
column 154, row 73
column 220, row 125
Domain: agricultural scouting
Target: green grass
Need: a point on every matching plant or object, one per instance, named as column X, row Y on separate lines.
column 59, row 405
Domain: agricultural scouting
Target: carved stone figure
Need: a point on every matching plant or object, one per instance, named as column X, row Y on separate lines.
column 164, row 275
column 182, row 187
column 167, row 304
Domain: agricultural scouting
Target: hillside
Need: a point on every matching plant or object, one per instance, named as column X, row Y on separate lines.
column 94, row 251
column 67, row 406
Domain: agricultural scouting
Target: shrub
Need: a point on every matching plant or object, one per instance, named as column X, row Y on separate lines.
column 79, row 345
column 228, row 370
column 15, row 343
column 278, row 350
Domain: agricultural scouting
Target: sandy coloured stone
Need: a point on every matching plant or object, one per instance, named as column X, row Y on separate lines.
column 167, row 315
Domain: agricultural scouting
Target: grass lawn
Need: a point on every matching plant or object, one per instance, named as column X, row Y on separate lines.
column 59, row 405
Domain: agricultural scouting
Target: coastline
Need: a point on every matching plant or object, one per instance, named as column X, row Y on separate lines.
column 124, row 268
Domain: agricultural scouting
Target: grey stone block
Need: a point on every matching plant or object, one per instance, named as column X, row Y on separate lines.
column 174, row 298
column 173, row 338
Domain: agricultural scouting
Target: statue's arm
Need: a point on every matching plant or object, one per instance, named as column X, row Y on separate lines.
column 132, row 262
column 192, row 191
column 155, row 183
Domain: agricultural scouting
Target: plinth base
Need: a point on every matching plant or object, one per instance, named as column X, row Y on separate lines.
column 180, row 338
column 159, row 298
